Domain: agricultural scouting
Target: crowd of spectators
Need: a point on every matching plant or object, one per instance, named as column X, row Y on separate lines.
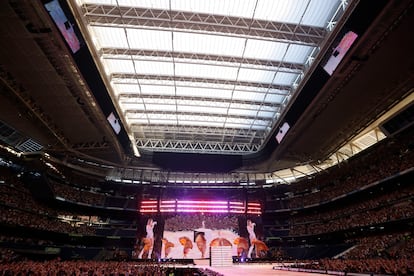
column 57, row 267
column 391, row 246
column 359, row 171
column 18, row 208
column 373, row 266
column 396, row 205
column 8, row 256
column 17, row 217
column 76, row 194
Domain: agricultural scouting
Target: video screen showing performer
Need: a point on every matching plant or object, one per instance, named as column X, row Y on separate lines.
column 190, row 236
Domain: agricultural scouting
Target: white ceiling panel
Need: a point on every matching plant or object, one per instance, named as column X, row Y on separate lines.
column 288, row 11
column 252, row 75
column 267, row 50
column 204, row 92
column 205, row 71
column 208, row 44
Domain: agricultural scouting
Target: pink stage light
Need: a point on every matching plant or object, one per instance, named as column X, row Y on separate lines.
column 167, row 210
column 148, row 211
column 201, row 211
column 200, row 206
column 202, row 201
column 148, row 201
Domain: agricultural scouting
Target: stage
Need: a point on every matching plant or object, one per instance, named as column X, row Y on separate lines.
column 254, row 269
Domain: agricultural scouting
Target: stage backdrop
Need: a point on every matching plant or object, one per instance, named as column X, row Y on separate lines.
column 191, row 235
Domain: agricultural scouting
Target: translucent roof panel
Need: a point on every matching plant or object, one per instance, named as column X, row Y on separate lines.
column 190, row 71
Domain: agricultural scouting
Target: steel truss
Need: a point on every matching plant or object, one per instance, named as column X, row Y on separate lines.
column 201, row 85
column 198, row 101
column 118, row 76
column 196, row 58
column 112, row 15
column 196, row 146
column 234, row 133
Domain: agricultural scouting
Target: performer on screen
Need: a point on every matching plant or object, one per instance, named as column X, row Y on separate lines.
column 252, row 236
column 149, row 239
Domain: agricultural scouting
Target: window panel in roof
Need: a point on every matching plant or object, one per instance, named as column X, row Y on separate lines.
column 157, row 89
column 197, row 123
column 208, row 44
column 163, row 122
column 141, row 67
column 160, row 107
column 240, row 121
column 297, row 53
column 200, row 104
column 131, row 88
column 288, row 11
column 202, row 119
column 131, row 105
column 253, row 127
column 253, row 75
column 205, row 71
column 260, row 49
column 242, row 112
column 149, row 39
column 137, row 121
column 159, row 100
column 202, row 109
column 319, row 12
column 285, row 78
column 266, row 114
column 136, row 115
column 154, row 67
column 249, row 96
column 274, row 98
column 203, row 92
column 223, row 7
column 108, row 37
column 245, row 106
column 119, row 66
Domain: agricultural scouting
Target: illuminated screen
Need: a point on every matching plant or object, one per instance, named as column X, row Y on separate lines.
column 339, row 52
column 187, row 229
column 200, row 206
column 64, row 26
column 189, row 236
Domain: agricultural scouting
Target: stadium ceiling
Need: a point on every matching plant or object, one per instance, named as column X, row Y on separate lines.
column 205, row 76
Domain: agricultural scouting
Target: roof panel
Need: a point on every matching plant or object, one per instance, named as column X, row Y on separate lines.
column 252, row 75
column 108, row 37
column 270, row 50
column 297, row 53
column 217, row 63
column 222, row 7
column 203, row 92
column 149, row 39
column 205, row 71
column 319, row 12
column 157, row 90
column 289, row 11
column 202, row 109
column 284, row 78
column 208, row 44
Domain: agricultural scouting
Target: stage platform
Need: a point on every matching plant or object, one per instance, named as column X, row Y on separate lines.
column 254, row 269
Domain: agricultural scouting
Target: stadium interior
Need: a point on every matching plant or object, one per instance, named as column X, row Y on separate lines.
column 148, row 137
